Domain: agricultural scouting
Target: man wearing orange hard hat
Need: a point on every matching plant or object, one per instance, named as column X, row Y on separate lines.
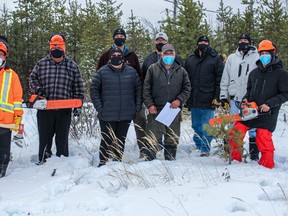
column 55, row 77
column 10, row 105
column 267, row 86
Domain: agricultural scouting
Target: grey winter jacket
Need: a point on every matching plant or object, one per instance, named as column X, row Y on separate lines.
column 152, row 58
column 236, row 72
column 160, row 88
column 116, row 93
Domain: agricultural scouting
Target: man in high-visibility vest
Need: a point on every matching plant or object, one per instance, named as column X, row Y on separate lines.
column 10, row 105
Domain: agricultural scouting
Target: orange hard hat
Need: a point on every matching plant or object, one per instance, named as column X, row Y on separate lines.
column 57, row 41
column 266, row 45
column 3, row 48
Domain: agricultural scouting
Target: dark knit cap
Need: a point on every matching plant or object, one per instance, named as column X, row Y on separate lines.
column 119, row 31
column 245, row 36
column 115, row 50
column 202, row 38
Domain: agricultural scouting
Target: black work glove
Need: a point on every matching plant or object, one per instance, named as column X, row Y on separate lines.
column 76, row 112
column 41, row 93
column 225, row 104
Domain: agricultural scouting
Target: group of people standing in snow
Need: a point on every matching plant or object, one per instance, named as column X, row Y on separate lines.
column 122, row 91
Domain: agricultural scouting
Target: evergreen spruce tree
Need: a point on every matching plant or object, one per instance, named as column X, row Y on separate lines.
column 138, row 37
column 110, row 17
column 272, row 25
column 29, row 32
column 189, row 25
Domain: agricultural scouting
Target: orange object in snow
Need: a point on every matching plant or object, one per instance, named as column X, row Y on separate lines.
column 41, row 103
column 248, row 111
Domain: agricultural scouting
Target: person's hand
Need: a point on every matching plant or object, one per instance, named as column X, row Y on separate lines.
column 216, row 103
column 153, row 110
column 77, row 112
column 175, row 104
column 41, row 93
column 264, row 108
column 17, row 122
column 225, row 104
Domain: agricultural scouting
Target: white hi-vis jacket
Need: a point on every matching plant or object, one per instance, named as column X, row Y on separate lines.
column 235, row 75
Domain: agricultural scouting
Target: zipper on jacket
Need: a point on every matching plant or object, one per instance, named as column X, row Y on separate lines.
column 254, row 89
column 247, row 69
column 239, row 71
column 263, row 87
column 120, row 87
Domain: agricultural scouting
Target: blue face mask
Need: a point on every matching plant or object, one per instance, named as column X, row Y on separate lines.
column 168, row 60
column 265, row 59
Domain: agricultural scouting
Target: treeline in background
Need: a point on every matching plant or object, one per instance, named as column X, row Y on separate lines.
column 88, row 29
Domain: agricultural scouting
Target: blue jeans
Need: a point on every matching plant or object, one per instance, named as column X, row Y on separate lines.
column 235, row 110
column 200, row 117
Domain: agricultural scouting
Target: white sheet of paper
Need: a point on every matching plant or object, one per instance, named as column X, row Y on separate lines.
column 167, row 115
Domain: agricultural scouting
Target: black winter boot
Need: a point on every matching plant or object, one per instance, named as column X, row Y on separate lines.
column 170, row 152
column 4, row 161
column 253, row 149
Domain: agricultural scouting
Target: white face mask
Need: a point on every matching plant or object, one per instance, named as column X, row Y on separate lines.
column 1, row 62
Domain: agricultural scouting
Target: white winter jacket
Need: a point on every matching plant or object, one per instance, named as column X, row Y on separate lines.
column 236, row 72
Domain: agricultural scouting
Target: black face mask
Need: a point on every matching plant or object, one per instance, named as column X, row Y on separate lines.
column 243, row 46
column 119, row 41
column 116, row 60
column 203, row 47
column 56, row 53
column 159, row 46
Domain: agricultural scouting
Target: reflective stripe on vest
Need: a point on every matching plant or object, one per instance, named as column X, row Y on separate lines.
column 6, row 84
column 17, row 105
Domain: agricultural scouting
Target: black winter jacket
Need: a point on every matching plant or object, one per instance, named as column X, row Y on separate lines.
column 205, row 75
column 116, row 93
column 160, row 88
column 267, row 86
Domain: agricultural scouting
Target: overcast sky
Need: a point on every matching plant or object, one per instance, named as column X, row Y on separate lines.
column 153, row 10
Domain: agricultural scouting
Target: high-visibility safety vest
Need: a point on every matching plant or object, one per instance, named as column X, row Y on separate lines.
column 10, row 96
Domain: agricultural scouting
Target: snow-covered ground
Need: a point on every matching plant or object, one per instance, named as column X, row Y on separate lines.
column 189, row 186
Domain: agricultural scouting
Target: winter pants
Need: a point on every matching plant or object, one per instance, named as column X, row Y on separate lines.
column 50, row 123
column 140, row 126
column 200, row 117
column 263, row 141
column 155, row 130
column 113, row 140
column 5, row 146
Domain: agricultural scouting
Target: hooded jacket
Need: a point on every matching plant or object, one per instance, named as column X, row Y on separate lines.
column 267, row 86
column 236, row 72
column 205, row 75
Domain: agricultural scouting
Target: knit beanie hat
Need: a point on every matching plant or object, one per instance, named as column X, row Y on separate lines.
column 119, row 31
column 202, row 38
column 116, row 50
column 57, row 41
column 245, row 36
